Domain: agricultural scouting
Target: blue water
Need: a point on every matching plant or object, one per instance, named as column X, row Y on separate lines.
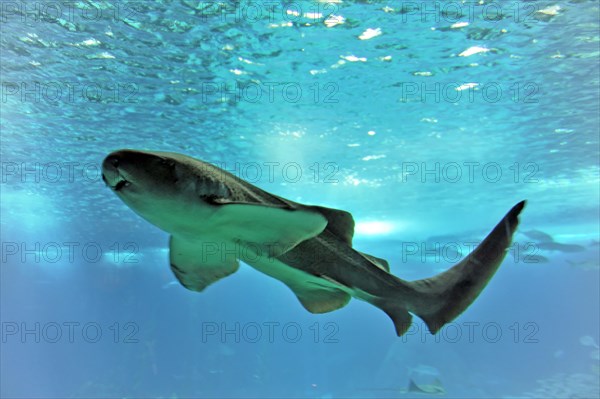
column 426, row 120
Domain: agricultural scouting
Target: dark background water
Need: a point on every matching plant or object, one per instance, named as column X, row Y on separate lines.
column 423, row 143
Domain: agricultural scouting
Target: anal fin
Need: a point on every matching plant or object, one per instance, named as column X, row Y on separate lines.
column 321, row 299
column 400, row 316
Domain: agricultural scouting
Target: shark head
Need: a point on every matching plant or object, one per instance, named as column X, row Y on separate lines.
column 164, row 188
column 131, row 174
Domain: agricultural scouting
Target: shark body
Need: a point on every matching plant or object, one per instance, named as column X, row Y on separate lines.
column 216, row 219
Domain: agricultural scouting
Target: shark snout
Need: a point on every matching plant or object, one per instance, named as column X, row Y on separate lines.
column 112, row 171
column 144, row 169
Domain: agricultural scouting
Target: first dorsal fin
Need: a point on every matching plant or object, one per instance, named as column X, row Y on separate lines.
column 340, row 223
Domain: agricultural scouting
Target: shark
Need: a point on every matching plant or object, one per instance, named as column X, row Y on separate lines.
column 435, row 388
column 217, row 220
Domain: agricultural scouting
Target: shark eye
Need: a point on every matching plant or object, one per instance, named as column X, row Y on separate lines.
column 210, row 198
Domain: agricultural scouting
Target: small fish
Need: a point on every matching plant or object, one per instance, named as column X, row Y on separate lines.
column 170, row 284
column 215, row 371
column 546, row 241
column 538, row 236
column 557, row 246
column 535, row 259
column 587, row 340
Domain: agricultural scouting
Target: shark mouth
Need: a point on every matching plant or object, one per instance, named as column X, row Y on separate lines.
column 121, row 183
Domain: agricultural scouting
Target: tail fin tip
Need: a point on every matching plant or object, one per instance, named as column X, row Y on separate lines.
column 450, row 293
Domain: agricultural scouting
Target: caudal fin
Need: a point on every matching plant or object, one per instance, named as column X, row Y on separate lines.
column 440, row 299
column 445, row 296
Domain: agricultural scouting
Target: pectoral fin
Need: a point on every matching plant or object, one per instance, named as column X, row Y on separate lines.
column 268, row 230
column 198, row 264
